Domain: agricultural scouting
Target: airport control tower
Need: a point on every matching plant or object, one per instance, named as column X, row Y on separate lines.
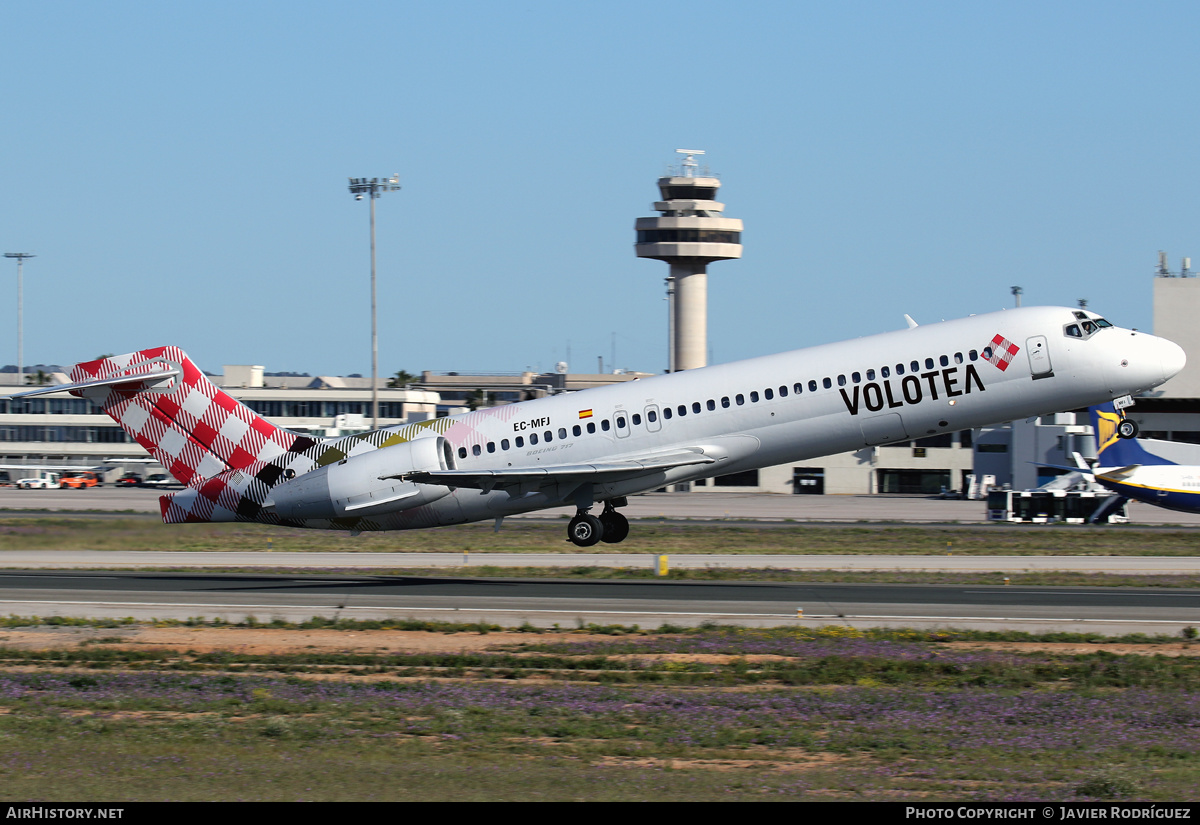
column 689, row 235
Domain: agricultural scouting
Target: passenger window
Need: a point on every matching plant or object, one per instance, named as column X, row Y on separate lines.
column 604, row 425
column 856, row 377
column 812, row 386
column 652, row 416
column 885, row 372
column 532, row 438
column 826, row 383
column 798, row 387
column 928, row 364
column 696, row 406
column 491, row 446
column 637, row 419
column 504, row 445
column 712, row 405
column 520, row 441
column 841, row 380
column 591, row 427
column 768, row 394
column 899, row 369
column 973, row 355
column 575, row 431
column 915, row 366
column 958, row 359
column 740, row 399
column 987, row 353
column 783, row 392
column 682, row 410
column 667, row 413
column 620, row 422
column 725, row 402
column 562, row 432
column 944, row 361
column 754, row 397
column 870, row 375
column 476, row 450
column 462, row 452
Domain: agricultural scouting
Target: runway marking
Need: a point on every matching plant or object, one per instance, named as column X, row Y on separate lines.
column 1147, row 592
column 52, row 576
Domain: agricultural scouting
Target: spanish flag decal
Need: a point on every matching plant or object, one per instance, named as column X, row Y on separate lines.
column 585, row 414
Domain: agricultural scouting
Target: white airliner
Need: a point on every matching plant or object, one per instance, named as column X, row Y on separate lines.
column 601, row 445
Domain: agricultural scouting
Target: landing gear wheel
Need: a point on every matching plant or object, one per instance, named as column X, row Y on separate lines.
column 585, row 530
column 1127, row 428
column 616, row 527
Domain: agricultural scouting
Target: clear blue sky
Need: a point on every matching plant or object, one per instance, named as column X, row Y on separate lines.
column 180, row 170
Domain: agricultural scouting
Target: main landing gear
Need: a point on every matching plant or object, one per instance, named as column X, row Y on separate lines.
column 610, row 526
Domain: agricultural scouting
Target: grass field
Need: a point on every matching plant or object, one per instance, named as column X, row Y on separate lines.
column 709, row 714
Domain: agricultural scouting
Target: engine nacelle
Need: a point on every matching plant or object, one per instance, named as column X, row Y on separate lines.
column 354, row 486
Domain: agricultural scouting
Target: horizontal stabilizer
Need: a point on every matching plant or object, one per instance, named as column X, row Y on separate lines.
column 1118, row 474
column 116, row 380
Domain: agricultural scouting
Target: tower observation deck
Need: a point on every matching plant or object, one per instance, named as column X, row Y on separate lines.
column 688, row 235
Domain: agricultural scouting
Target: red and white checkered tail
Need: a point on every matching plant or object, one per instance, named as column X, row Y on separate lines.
column 181, row 418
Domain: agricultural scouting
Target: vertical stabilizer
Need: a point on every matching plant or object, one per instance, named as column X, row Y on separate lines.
column 190, row 426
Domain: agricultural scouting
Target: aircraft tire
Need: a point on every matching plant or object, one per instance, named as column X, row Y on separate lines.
column 1127, row 428
column 616, row 527
column 585, row 530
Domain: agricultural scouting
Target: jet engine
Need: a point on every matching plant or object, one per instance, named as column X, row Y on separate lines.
column 366, row 484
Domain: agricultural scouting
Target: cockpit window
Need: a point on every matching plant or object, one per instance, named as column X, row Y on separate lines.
column 1086, row 328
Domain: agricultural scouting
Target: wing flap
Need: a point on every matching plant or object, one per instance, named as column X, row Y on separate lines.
column 500, row 477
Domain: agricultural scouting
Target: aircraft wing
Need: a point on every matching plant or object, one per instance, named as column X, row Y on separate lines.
column 490, row 479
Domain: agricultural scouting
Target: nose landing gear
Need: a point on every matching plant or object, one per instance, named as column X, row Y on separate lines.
column 1126, row 428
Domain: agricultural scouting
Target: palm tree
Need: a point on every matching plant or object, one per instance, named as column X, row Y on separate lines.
column 402, row 379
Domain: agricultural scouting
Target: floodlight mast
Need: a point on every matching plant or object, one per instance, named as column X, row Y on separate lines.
column 20, row 256
column 373, row 188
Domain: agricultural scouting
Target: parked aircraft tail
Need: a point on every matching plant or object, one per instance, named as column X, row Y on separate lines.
column 1111, row 449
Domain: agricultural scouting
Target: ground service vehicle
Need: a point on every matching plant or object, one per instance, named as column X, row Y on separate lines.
column 77, row 480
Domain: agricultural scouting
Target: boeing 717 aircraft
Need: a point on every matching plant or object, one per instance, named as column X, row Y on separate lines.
column 598, row 446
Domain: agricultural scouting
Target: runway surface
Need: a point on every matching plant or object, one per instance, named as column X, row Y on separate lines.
column 29, row 592
column 567, row 603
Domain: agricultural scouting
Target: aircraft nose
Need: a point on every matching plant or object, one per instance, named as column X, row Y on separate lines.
column 1173, row 358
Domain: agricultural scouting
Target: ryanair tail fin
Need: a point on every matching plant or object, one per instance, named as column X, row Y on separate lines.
column 1111, row 449
column 190, row 426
